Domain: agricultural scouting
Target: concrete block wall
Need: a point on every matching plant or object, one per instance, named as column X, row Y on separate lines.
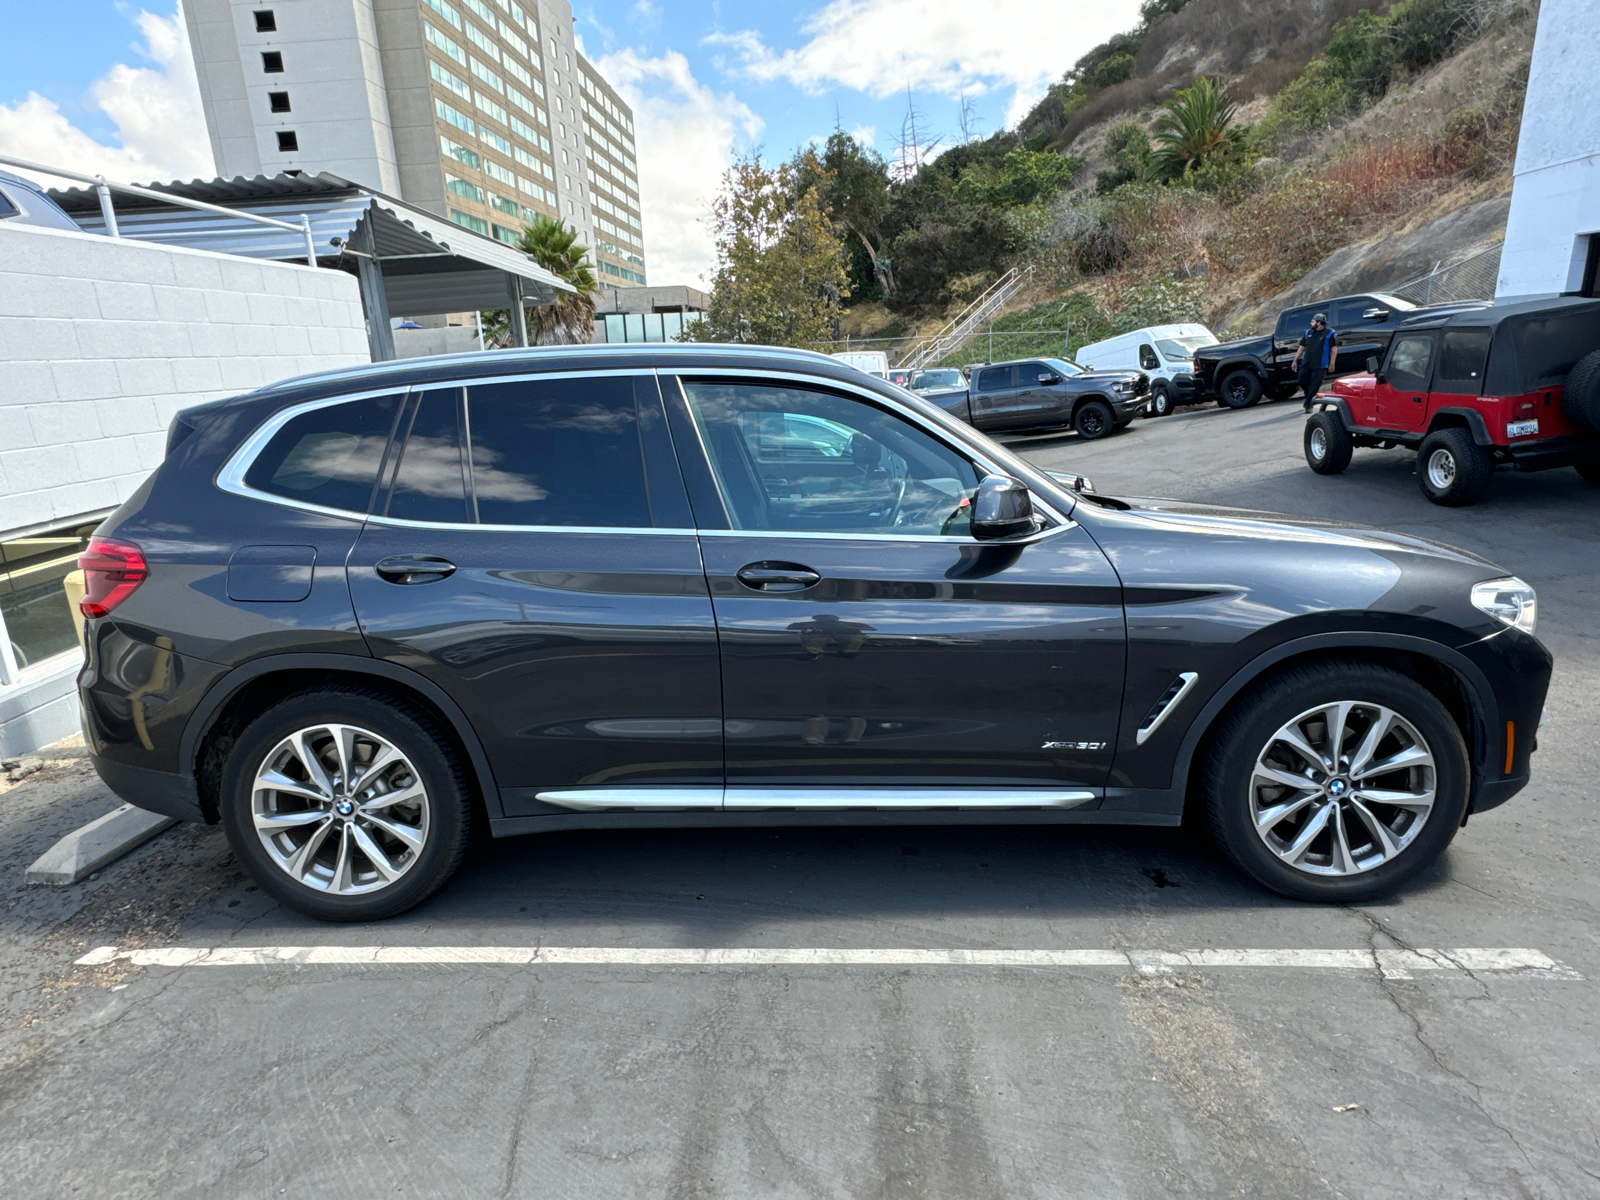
column 102, row 340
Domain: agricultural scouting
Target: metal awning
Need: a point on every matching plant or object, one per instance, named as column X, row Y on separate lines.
column 410, row 262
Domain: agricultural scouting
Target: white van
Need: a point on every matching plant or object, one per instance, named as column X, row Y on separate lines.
column 1163, row 352
column 873, row 362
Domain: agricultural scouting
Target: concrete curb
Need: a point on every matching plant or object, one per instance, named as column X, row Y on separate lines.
column 86, row 850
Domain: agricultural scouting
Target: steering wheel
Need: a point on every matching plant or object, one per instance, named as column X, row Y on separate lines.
column 899, row 500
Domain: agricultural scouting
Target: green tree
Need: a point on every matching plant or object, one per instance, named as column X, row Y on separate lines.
column 780, row 262
column 1128, row 148
column 852, row 186
column 554, row 246
column 1196, row 124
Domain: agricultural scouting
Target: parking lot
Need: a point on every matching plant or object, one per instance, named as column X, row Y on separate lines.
column 749, row 1012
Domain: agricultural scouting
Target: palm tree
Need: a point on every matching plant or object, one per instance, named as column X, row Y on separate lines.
column 570, row 320
column 1197, row 123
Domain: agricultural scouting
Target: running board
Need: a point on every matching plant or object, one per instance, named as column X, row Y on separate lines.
column 752, row 799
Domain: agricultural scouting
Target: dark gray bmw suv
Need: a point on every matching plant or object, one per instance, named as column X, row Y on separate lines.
column 353, row 615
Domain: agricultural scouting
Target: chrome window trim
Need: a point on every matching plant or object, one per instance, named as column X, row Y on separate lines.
column 952, row 540
column 402, row 523
column 231, row 477
column 920, row 420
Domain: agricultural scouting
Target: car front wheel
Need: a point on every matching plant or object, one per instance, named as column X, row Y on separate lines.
column 1093, row 419
column 1160, row 401
column 1338, row 782
column 1452, row 469
column 1327, row 444
column 346, row 804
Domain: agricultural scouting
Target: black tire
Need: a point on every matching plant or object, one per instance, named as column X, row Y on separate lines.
column 438, row 766
column 1093, row 420
column 1327, row 444
column 1233, row 798
column 1240, row 389
column 1160, row 401
column 1580, row 394
column 1452, row 469
column 1589, row 468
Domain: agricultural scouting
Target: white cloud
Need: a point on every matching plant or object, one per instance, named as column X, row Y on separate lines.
column 867, row 135
column 948, row 47
column 686, row 135
column 156, row 110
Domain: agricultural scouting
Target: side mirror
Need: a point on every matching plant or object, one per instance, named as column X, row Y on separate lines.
column 1373, row 364
column 1375, row 314
column 1002, row 508
column 1048, row 378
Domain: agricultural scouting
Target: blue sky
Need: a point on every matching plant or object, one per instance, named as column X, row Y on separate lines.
column 114, row 91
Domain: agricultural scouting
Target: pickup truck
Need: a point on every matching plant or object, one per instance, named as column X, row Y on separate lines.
column 1237, row 374
column 1044, row 393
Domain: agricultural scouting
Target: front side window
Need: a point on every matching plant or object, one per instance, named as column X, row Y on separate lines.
column 790, row 459
column 1408, row 365
column 328, row 456
column 1147, row 359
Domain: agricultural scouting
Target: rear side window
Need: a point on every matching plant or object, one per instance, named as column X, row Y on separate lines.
column 430, row 482
column 329, row 456
column 557, row 452
column 1462, row 355
column 1549, row 347
column 7, row 209
column 1294, row 322
column 995, row 379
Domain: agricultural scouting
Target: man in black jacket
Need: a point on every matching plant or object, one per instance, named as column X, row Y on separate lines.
column 1318, row 349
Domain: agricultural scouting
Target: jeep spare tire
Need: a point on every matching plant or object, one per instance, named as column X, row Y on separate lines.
column 1240, row 389
column 1580, row 395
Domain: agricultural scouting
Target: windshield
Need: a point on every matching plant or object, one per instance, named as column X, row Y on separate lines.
column 1065, row 368
column 941, row 378
column 1181, row 348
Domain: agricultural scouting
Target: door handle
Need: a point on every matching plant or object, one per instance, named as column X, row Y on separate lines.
column 414, row 568
column 777, row 577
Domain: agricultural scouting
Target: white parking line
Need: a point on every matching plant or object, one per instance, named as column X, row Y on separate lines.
column 1391, row 963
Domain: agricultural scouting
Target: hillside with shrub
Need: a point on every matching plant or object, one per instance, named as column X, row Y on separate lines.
column 1211, row 164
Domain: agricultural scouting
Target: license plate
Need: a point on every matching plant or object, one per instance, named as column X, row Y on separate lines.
column 1521, row 428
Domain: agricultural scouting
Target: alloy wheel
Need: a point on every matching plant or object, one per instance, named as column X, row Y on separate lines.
column 1342, row 788
column 340, row 809
column 1441, row 469
column 1319, row 444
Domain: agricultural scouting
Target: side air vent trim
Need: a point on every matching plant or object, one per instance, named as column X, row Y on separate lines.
column 1164, row 706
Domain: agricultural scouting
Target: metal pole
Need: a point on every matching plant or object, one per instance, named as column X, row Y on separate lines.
column 991, row 344
column 106, row 211
column 519, row 318
column 478, row 316
column 311, row 246
column 374, row 296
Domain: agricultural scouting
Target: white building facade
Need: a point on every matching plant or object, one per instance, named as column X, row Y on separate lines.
column 1552, row 245
column 481, row 111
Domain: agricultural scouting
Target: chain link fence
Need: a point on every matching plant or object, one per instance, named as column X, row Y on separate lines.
column 1472, row 278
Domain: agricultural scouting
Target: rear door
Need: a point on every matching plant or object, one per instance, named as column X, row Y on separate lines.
column 866, row 637
column 1401, row 399
column 534, row 556
column 1292, row 326
column 994, row 397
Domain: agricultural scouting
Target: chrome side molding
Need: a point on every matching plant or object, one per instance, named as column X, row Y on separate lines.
column 810, row 799
column 1164, row 706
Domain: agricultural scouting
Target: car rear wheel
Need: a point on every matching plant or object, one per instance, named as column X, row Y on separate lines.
column 1452, row 469
column 1337, row 782
column 1327, row 444
column 1160, row 401
column 346, row 804
column 1240, row 389
column 1093, row 419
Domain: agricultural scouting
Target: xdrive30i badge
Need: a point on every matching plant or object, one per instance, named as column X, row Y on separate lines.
column 1074, row 745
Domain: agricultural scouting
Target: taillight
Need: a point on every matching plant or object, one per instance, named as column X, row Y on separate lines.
column 111, row 570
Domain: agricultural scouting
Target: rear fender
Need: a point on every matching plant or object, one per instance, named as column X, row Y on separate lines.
column 1471, row 418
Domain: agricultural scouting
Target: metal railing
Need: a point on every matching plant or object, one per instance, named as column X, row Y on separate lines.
column 965, row 323
column 104, row 187
column 1473, row 278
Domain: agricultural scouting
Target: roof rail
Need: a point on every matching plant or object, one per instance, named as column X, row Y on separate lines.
column 104, row 187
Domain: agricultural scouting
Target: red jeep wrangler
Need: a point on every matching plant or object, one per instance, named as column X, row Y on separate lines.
column 1516, row 385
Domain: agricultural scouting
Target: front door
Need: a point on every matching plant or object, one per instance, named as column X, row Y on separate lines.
column 1401, row 397
column 866, row 637
column 542, row 569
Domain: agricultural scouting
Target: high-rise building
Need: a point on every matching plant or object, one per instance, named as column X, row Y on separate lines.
column 481, row 111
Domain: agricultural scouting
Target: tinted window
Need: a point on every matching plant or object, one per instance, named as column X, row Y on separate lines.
column 1462, row 354
column 792, row 459
column 557, row 452
column 996, row 379
column 328, row 456
column 1294, row 322
column 429, row 483
column 1549, row 347
column 1147, row 358
column 1408, row 365
column 7, row 209
column 1352, row 313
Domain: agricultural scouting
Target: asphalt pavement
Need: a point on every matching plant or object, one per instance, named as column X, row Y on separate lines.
column 793, row 1013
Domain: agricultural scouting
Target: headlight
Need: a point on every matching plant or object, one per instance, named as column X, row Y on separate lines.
column 1509, row 600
